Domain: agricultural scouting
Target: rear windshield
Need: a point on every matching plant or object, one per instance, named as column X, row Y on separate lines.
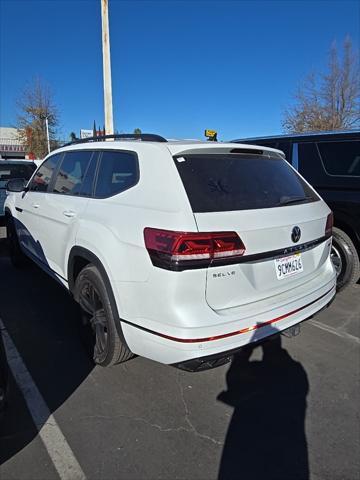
column 9, row 171
column 225, row 182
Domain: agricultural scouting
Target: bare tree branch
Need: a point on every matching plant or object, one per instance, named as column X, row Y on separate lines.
column 34, row 105
column 330, row 101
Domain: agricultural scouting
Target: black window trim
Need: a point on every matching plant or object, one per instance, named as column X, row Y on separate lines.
column 137, row 178
column 94, row 157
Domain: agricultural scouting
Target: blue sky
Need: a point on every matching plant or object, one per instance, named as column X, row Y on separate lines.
column 178, row 67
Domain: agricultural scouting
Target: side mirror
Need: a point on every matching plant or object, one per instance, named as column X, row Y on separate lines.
column 16, row 185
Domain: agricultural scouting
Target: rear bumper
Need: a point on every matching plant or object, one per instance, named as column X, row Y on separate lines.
column 213, row 361
column 174, row 347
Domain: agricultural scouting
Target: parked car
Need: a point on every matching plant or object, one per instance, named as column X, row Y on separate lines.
column 10, row 169
column 330, row 161
column 181, row 252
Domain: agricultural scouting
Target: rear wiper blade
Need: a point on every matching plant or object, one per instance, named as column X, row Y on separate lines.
column 290, row 200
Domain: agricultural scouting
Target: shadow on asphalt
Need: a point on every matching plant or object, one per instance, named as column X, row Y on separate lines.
column 42, row 321
column 266, row 436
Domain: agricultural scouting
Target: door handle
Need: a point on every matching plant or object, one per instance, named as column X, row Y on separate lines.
column 69, row 213
column 35, row 205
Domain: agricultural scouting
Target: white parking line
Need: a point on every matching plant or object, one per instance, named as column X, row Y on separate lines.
column 53, row 439
column 334, row 331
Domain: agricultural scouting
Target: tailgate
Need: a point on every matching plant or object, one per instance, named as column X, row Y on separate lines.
column 272, row 262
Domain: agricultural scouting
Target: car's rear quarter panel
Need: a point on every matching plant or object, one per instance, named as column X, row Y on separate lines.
column 159, row 201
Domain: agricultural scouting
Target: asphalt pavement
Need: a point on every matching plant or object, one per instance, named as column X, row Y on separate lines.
column 286, row 410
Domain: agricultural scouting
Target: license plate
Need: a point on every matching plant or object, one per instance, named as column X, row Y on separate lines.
column 288, row 266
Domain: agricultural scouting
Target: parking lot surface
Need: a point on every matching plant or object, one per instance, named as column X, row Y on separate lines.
column 290, row 410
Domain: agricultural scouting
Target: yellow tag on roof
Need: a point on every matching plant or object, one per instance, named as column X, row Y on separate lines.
column 210, row 133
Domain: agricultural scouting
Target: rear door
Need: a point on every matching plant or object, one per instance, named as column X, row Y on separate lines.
column 64, row 205
column 271, row 208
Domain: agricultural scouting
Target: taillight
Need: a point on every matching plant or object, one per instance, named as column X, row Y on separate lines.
column 183, row 250
column 329, row 225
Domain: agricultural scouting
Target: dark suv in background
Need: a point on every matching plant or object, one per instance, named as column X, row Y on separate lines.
column 330, row 162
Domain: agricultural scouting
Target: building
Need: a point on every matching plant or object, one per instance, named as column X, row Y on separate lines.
column 10, row 146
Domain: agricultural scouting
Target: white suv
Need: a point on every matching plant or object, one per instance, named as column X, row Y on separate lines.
column 181, row 252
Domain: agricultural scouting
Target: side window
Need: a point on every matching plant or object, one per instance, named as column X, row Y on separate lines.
column 309, row 160
column 42, row 178
column 72, row 172
column 285, row 147
column 341, row 158
column 118, row 171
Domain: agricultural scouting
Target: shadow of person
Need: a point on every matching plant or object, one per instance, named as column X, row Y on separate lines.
column 266, row 436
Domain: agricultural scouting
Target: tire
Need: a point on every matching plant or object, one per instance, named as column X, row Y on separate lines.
column 17, row 257
column 91, row 293
column 345, row 259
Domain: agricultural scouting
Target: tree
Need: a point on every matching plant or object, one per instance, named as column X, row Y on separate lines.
column 35, row 105
column 137, row 131
column 329, row 101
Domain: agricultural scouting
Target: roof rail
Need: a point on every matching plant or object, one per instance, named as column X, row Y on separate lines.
column 145, row 137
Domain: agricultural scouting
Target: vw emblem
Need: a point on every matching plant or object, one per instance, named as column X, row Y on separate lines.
column 295, row 234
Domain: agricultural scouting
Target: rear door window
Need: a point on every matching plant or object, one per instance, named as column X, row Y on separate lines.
column 341, row 158
column 226, row 182
column 118, row 171
column 72, row 171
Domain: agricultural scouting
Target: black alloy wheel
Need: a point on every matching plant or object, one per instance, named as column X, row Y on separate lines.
column 95, row 317
column 336, row 259
column 99, row 315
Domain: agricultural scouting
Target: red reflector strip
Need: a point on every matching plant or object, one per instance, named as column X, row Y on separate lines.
column 329, row 224
column 231, row 334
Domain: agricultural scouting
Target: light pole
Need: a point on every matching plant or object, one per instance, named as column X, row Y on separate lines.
column 109, row 123
column 47, row 133
column 43, row 116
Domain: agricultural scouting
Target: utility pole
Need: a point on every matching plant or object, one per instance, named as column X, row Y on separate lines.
column 47, row 133
column 44, row 116
column 109, row 123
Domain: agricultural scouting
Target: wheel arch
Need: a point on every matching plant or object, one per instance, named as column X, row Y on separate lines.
column 79, row 257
